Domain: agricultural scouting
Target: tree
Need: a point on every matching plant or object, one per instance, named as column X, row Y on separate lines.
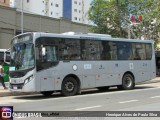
column 153, row 17
column 124, row 18
column 107, row 17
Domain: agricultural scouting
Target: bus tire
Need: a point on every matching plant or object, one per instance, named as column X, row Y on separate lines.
column 105, row 88
column 69, row 86
column 128, row 82
column 47, row 93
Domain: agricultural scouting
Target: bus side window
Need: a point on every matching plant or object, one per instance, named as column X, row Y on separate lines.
column 136, row 55
column 105, row 51
column 148, row 51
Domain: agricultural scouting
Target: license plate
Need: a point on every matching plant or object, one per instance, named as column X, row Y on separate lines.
column 15, row 87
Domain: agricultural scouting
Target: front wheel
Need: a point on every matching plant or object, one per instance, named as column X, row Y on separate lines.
column 69, row 86
column 127, row 82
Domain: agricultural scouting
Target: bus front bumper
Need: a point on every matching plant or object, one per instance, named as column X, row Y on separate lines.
column 21, row 88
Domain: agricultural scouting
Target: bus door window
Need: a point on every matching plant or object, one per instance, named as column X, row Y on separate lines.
column 46, row 56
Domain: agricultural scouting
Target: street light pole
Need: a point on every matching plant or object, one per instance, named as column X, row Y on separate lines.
column 129, row 32
column 22, row 17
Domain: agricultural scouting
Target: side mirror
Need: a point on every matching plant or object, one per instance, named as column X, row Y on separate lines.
column 43, row 51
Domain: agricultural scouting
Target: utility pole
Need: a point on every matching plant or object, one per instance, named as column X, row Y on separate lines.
column 22, row 17
column 129, row 31
column 118, row 10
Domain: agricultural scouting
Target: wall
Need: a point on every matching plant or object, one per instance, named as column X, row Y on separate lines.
column 4, row 2
column 10, row 24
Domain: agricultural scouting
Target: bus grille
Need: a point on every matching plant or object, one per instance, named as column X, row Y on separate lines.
column 19, row 86
column 16, row 74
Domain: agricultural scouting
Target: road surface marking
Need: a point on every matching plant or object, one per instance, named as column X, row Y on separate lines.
column 128, row 101
column 155, row 97
column 88, row 107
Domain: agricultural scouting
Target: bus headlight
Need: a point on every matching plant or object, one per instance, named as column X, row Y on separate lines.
column 28, row 79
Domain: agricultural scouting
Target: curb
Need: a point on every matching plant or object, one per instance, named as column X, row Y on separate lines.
column 5, row 93
column 8, row 93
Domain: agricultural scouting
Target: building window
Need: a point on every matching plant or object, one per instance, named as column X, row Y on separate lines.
column 75, row 10
column 79, row 3
column 27, row 1
column 75, row 18
column 51, row 4
column 79, row 11
column 51, row 13
column 57, row 5
column 75, row 2
column 43, row 1
column 79, row 19
column 57, row 14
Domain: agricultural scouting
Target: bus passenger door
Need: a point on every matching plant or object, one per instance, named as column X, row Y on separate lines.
column 46, row 60
column 46, row 80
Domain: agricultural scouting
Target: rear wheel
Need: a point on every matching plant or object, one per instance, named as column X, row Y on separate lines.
column 69, row 86
column 127, row 82
column 47, row 93
column 103, row 88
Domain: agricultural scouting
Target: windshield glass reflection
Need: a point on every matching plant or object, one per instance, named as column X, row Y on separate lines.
column 22, row 56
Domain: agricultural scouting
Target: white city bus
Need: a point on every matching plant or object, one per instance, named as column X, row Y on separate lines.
column 70, row 62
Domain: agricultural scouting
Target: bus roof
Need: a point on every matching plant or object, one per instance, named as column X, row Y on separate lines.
column 91, row 36
column 3, row 50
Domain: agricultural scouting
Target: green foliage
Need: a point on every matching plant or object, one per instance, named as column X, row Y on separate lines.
column 106, row 17
column 112, row 17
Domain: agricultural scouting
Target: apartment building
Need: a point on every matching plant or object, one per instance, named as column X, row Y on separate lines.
column 5, row 3
column 50, row 8
column 76, row 10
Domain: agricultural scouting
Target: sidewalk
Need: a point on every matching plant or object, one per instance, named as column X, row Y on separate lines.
column 4, row 93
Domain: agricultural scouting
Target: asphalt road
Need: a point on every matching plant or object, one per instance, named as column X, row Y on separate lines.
column 143, row 98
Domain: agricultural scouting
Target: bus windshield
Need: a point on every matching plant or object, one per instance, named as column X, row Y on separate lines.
column 22, row 56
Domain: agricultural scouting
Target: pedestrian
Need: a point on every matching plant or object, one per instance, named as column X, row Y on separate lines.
column 1, row 75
